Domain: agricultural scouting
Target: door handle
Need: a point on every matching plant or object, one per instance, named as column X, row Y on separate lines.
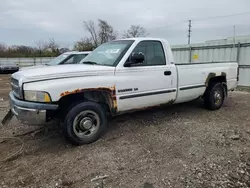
column 167, row 73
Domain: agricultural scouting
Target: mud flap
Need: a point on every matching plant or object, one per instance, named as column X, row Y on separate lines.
column 225, row 90
column 7, row 118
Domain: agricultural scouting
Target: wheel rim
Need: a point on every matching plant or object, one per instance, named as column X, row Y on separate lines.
column 86, row 124
column 217, row 96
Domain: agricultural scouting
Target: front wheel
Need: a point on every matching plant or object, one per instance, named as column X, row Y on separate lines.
column 85, row 123
column 214, row 96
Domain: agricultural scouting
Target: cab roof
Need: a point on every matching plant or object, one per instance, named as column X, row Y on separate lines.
column 139, row 39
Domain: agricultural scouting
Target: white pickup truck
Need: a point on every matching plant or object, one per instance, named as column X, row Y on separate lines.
column 117, row 77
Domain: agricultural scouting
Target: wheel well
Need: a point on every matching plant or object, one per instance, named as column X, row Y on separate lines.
column 221, row 79
column 101, row 97
column 218, row 79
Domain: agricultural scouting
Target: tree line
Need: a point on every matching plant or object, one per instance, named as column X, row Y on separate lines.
column 99, row 33
column 41, row 49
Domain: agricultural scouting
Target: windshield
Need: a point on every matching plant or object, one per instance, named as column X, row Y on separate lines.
column 108, row 54
column 58, row 59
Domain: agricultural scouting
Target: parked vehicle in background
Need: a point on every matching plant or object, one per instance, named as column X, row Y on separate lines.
column 8, row 67
column 72, row 57
column 117, row 77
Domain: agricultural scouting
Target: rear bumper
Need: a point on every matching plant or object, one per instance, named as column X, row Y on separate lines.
column 30, row 112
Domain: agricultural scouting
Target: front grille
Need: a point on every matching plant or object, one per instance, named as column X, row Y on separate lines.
column 15, row 87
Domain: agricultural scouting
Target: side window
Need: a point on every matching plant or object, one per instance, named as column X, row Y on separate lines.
column 153, row 52
column 70, row 60
column 79, row 57
column 74, row 59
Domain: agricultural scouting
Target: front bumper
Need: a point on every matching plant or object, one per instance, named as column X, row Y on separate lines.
column 31, row 113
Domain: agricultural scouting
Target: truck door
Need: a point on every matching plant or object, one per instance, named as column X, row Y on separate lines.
column 149, row 83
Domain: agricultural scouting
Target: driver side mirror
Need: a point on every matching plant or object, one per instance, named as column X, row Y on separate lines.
column 136, row 58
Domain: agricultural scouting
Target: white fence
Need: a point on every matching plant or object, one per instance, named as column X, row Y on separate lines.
column 23, row 62
column 205, row 52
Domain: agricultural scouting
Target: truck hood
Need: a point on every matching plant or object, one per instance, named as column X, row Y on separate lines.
column 62, row 71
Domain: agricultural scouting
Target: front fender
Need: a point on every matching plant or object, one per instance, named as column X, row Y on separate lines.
column 58, row 88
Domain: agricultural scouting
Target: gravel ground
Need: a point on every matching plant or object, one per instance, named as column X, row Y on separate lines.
column 177, row 146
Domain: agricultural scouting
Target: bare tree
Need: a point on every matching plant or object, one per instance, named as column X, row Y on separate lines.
column 84, row 44
column 3, row 47
column 135, row 31
column 52, row 45
column 106, row 32
column 41, row 45
column 101, row 33
column 91, row 28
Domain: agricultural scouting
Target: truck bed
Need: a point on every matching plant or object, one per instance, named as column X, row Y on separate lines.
column 193, row 77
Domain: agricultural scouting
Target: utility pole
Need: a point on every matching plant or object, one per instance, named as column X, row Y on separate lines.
column 234, row 36
column 189, row 30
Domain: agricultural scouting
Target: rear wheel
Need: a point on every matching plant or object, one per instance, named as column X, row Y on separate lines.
column 214, row 96
column 85, row 123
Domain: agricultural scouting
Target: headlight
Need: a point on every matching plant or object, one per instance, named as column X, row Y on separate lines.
column 37, row 96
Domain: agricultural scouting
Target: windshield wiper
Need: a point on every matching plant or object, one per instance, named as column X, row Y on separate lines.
column 89, row 62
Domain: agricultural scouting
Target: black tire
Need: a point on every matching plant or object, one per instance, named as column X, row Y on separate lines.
column 214, row 96
column 94, row 113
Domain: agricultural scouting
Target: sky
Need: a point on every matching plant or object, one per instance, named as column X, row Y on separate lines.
column 24, row 22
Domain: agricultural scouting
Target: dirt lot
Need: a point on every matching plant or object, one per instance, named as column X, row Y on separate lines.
column 177, row 146
column 4, row 86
